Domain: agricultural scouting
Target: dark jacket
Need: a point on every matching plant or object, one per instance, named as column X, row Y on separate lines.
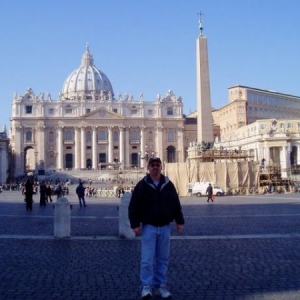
column 28, row 188
column 209, row 190
column 157, row 206
column 80, row 190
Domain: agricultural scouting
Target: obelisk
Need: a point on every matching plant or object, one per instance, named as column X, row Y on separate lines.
column 204, row 115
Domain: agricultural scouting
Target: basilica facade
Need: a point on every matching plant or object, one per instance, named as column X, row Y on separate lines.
column 88, row 127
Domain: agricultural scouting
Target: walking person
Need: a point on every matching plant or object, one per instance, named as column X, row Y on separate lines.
column 209, row 192
column 153, row 206
column 80, row 193
column 58, row 191
column 48, row 193
column 28, row 194
column 43, row 194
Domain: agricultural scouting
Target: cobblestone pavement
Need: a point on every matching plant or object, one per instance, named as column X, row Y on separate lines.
column 235, row 248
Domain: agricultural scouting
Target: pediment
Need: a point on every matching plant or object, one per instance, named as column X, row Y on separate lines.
column 102, row 113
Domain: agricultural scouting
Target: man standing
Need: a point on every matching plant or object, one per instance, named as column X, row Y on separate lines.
column 80, row 193
column 153, row 206
column 209, row 192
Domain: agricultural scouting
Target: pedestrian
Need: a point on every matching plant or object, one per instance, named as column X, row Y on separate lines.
column 154, row 204
column 48, row 193
column 28, row 194
column 43, row 193
column 209, row 192
column 58, row 191
column 80, row 193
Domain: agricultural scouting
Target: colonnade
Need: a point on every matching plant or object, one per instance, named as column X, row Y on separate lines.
column 123, row 143
column 118, row 145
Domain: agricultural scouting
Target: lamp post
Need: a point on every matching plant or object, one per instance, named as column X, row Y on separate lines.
column 145, row 157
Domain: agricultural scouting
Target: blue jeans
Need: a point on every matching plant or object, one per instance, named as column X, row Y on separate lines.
column 155, row 255
column 81, row 198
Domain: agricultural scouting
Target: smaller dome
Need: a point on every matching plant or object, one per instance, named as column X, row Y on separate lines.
column 87, row 82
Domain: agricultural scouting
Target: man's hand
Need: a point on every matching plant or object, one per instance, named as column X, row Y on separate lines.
column 179, row 227
column 137, row 230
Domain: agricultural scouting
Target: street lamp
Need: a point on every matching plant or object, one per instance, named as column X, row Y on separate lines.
column 145, row 157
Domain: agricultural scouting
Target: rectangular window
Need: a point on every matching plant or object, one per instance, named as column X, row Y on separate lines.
column 134, row 111
column 28, row 109
column 116, row 147
column 51, row 111
column 69, row 147
column 115, row 110
column 68, row 111
column 150, row 112
column 170, row 111
column 88, row 110
column 88, row 147
column 289, row 125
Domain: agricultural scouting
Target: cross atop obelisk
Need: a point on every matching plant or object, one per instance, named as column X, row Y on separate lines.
column 200, row 22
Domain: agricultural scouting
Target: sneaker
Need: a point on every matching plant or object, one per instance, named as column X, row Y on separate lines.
column 146, row 291
column 163, row 292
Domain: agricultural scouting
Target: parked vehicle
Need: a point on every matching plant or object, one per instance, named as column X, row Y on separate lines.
column 199, row 189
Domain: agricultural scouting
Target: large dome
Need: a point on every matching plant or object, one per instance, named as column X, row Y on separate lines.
column 87, row 82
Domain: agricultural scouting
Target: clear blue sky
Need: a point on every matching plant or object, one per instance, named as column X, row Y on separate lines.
column 149, row 46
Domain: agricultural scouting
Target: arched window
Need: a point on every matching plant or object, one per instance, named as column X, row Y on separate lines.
column 51, row 159
column 69, row 135
column 134, row 135
column 171, row 136
column 88, row 136
column 116, row 136
column 28, row 136
column 102, row 135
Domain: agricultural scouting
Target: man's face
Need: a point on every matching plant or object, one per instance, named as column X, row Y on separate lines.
column 154, row 168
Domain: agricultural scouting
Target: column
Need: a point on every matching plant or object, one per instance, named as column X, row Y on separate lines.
column 142, row 148
column 180, row 145
column 19, row 154
column 36, row 162
column 83, row 149
column 256, row 154
column 127, row 148
column 288, row 156
column 60, row 154
column 283, row 161
column 121, row 145
column 94, row 148
column 41, row 147
column 267, row 156
column 159, row 145
column 110, row 145
column 77, row 149
column 298, row 155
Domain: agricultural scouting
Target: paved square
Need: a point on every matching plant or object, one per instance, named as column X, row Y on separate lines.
column 239, row 247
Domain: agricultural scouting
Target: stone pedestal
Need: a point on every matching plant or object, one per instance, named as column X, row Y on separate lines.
column 62, row 218
column 124, row 224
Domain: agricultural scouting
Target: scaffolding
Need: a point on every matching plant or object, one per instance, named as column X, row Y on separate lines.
column 213, row 155
column 270, row 177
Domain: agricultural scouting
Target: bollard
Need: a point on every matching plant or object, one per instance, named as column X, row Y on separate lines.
column 62, row 218
column 124, row 224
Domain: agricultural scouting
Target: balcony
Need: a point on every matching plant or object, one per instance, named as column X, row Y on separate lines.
column 102, row 142
column 68, row 142
column 134, row 142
